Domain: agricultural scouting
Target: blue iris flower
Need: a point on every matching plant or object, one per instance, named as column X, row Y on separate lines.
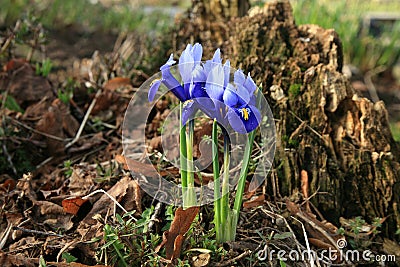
column 188, row 63
column 193, row 79
column 234, row 103
column 206, row 86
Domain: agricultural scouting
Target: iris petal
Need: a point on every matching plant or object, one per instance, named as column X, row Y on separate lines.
column 227, row 70
column 230, row 97
column 217, row 57
column 199, row 74
column 250, row 85
column 215, row 83
column 188, row 111
column 196, row 90
column 153, row 89
column 186, row 64
column 239, row 77
column 197, row 52
column 244, row 96
column 253, row 100
column 169, row 63
column 244, row 119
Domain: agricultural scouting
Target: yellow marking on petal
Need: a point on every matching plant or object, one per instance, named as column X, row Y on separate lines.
column 153, row 82
column 187, row 102
column 245, row 113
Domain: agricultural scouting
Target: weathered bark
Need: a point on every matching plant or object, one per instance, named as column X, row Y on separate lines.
column 343, row 141
column 220, row 10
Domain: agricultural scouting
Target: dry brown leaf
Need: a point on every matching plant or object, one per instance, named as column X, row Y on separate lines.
column 305, row 188
column 323, row 231
column 173, row 238
column 201, row 260
column 52, row 214
column 136, row 166
column 25, row 243
column 104, row 101
column 18, row 260
column 391, row 248
column 72, row 205
column 116, row 83
column 57, row 121
column 25, row 86
column 8, row 185
column 81, row 180
column 86, row 143
column 320, row 244
column 104, row 204
column 255, row 202
column 14, row 64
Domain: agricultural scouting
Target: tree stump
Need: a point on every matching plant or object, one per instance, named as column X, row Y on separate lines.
column 340, row 139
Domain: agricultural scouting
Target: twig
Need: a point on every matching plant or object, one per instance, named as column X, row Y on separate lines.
column 231, row 261
column 311, row 259
column 44, row 162
column 9, row 159
column 309, row 127
column 11, row 37
column 5, row 236
column 319, row 229
column 80, row 130
column 73, row 242
column 153, row 219
column 287, row 225
column 35, row 231
column 110, row 197
column 38, row 132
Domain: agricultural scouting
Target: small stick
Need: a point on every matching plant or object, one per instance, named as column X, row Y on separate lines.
column 153, row 219
column 9, row 159
column 11, row 37
column 231, row 261
column 110, row 197
column 73, row 242
column 38, row 132
column 80, row 130
column 311, row 259
column 35, row 231
column 5, row 236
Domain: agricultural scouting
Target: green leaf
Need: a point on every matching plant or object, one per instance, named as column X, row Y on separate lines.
column 12, row 104
column 42, row 262
column 283, row 235
column 68, row 257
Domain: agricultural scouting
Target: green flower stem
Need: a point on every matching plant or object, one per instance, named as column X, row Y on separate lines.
column 225, row 184
column 243, row 173
column 245, row 166
column 217, row 185
column 191, row 196
column 182, row 157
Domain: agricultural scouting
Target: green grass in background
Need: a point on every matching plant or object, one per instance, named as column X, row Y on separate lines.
column 93, row 15
column 395, row 128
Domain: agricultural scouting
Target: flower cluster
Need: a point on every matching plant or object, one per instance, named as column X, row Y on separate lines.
column 207, row 86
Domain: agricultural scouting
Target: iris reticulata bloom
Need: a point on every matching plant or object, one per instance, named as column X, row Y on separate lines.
column 207, row 86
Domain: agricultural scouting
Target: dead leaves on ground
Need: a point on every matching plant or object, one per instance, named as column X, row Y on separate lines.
column 174, row 237
column 9, row 260
column 30, row 229
column 322, row 234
